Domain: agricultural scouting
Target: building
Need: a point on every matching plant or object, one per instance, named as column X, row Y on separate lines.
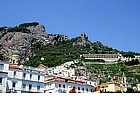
column 63, row 70
column 67, row 85
column 62, row 79
column 15, row 58
column 105, row 57
column 137, row 57
column 84, row 79
column 138, row 87
column 4, row 67
column 25, row 79
column 111, row 87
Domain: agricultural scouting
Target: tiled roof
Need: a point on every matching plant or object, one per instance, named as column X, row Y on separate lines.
column 104, row 85
column 15, row 67
column 67, row 80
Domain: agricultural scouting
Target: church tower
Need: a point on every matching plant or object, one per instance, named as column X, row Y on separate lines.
column 15, row 58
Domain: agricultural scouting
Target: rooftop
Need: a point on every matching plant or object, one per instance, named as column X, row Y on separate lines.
column 67, row 80
column 15, row 67
column 100, row 54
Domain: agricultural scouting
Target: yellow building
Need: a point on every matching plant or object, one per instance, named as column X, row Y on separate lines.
column 111, row 87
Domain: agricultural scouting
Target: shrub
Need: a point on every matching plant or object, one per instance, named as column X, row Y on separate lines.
column 130, row 90
column 29, row 24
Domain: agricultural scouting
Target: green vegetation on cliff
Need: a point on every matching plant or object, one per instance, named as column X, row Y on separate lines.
column 55, row 55
column 63, row 51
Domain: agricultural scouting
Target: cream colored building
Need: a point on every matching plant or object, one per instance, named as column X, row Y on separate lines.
column 14, row 58
column 105, row 57
column 112, row 87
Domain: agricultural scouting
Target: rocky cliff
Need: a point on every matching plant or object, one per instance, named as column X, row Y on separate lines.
column 20, row 39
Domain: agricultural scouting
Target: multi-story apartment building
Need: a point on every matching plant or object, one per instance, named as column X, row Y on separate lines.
column 25, row 79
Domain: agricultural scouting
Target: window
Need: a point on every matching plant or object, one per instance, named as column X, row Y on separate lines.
column 30, row 76
column 24, row 86
column 38, row 88
column 59, row 85
column 24, row 75
column 1, row 66
column 56, row 85
column 63, row 86
column 91, row 90
column 78, row 88
column 66, row 80
column 87, row 89
column 14, row 73
column 13, row 61
column 30, row 87
column 83, row 89
column 0, row 81
column 38, row 77
column 14, row 84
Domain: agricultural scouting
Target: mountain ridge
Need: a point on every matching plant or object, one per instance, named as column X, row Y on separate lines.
column 26, row 38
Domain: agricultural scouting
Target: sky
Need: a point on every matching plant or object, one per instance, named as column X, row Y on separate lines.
column 115, row 23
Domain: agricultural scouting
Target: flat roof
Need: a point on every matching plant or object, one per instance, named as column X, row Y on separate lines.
column 100, row 54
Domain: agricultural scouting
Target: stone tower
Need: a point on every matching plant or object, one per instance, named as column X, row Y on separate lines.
column 124, row 80
column 83, row 35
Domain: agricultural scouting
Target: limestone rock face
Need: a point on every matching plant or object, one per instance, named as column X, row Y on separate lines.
column 39, row 29
column 81, row 40
column 16, row 41
column 21, row 42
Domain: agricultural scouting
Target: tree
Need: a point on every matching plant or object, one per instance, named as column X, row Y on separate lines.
column 130, row 90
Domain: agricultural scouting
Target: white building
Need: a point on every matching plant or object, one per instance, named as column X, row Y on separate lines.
column 63, row 70
column 25, row 79
column 105, row 57
column 138, row 87
column 67, row 85
column 137, row 57
column 4, row 67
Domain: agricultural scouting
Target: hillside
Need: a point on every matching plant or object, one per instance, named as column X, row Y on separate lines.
column 20, row 39
column 25, row 39
column 63, row 51
column 32, row 42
